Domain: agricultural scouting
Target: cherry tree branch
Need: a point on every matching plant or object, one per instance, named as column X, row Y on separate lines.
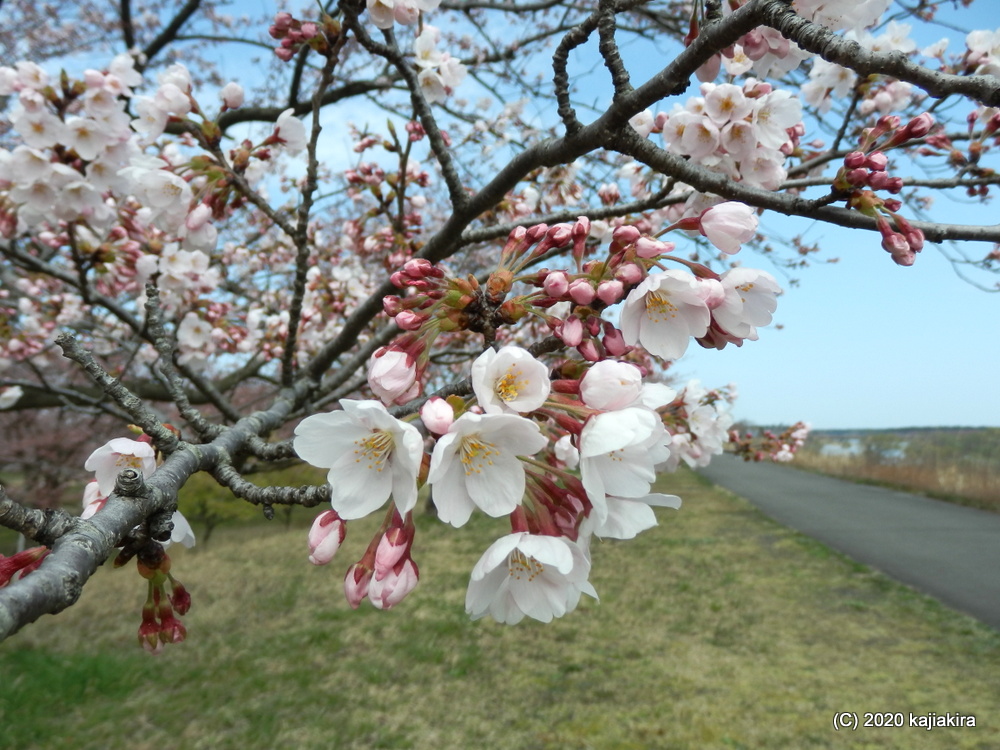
column 849, row 54
column 169, row 32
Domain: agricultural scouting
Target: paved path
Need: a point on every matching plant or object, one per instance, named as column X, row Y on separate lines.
column 948, row 551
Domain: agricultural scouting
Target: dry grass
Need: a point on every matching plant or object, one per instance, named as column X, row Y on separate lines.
column 719, row 629
column 971, row 481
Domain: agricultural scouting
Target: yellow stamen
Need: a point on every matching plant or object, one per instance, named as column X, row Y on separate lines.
column 509, row 387
column 659, row 307
column 521, row 567
column 475, row 453
column 375, row 449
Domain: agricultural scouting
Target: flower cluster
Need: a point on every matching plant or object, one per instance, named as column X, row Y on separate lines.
column 293, row 34
column 566, row 448
column 385, row 13
column 742, row 131
column 866, row 168
column 159, row 625
column 440, row 73
column 770, row 445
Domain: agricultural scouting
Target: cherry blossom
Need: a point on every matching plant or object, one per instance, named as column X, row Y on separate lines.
column 290, row 132
column 437, row 415
column 628, row 517
column 370, row 454
column 663, row 312
column 728, row 225
column 117, row 455
column 276, row 261
column 509, row 380
column 475, row 465
column 619, row 451
column 325, row 537
column 524, row 574
column 749, row 301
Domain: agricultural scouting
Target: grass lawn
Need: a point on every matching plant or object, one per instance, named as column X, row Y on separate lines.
column 718, row 629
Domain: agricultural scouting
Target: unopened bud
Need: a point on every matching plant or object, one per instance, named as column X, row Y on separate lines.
column 582, row 292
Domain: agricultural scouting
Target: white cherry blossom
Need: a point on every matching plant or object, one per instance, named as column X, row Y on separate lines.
column 750, row 299
column 663, row 312
column 728, row 225
column 628, row 517
column 524, row 574
column 370, row 455
column 117, row 455
column 291, row 131
column 475, row 464
column 619, row 451
column 509, row 380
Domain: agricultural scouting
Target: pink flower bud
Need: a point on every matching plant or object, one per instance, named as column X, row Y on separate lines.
column 356, row 584
column 232, row 95
column 421, row 268
column 393, row 545
column 390, row 590
column 915, row 238
column 614, row 341
column 589, row 351
column 556, row 284
column 393, row 377
column 625, row 235
column 854, row 160
column 536, row 232
column 888, row 122
column 437, row 415
column 896, row 244
column 858, row 177
column 325, row 536
column 571, row 331
column 610, row 292
column 392, row 305
column 920, row 125
column 905, row 258
column 728, row 225
column 559, row 235
column 877, row 161
column 409, row 320
column 582, row 291
column 647, row 247
column 630, row 273
column 879, row 180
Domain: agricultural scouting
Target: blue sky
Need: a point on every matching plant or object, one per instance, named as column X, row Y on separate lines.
column 867, row 344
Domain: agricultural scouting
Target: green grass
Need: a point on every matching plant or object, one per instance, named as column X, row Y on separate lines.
column 717, row 629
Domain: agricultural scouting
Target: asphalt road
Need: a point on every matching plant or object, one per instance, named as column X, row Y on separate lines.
column 948, row 551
